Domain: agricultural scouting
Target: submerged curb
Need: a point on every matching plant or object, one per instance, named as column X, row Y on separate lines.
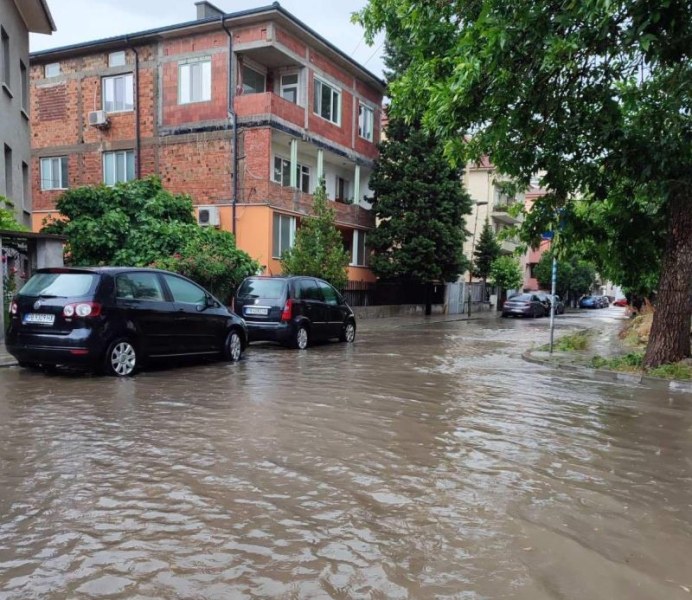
column 657, row 383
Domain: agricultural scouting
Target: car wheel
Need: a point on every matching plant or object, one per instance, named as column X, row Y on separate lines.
column 348, row 333
column 233, row 347
column 121, row 358
column 301, row 338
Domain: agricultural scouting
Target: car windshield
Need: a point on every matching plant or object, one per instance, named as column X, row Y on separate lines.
column 261, row 288
column 59, row 285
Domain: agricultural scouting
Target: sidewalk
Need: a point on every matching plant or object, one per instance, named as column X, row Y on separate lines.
column 6, row 359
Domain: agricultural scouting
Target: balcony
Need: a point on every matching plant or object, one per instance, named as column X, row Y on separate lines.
column 509, row 246
column 502, row 212
column 267, row 105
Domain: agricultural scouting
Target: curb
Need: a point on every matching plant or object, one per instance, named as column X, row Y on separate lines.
column 671, row 385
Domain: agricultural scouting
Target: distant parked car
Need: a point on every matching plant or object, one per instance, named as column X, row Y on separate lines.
column 589, row 302
column 524, row 305
column 603, row 301
column 620, row 302
column 294, row 311
column 115, row 318
column 559, row 304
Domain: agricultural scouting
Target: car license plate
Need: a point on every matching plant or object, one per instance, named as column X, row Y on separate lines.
column 39, row 319
column 253, row 310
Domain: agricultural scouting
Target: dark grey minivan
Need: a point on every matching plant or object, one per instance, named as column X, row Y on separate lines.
column 294, row 311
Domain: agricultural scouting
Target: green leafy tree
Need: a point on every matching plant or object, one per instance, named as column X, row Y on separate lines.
column 487, row 250
column 594, row 95
column 141, row 224
column 8, row 222
column 319, row 247
column 505, row 273
column 575, row 276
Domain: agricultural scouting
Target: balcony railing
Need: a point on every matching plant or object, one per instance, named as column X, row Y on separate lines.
column 251, row 105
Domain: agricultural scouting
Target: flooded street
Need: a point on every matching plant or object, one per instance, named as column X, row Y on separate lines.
column 427, row 461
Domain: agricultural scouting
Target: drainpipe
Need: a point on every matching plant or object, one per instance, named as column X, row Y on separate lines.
column 138, row 136
column 233, row 118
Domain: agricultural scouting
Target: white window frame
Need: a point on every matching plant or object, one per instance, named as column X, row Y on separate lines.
column 317, row 101
column 303, row 172
column 129, row 156
column 52, row 70
column 290, row 86
column 110, row 84
column 366, row 122
column 117, row 59
column 292, row 234
column 47, row 173
column 357, row 235
column 189, row 71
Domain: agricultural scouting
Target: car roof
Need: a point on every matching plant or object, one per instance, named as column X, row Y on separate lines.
column 98, row 270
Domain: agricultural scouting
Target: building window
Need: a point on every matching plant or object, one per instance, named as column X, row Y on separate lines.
column 341, row 192
column 284, row 234
column 360, row 251
column 289, row 87
column 51, row 70
column 25, row 86
column 54, row 173
column 327, row 102
column 116, row 59
column 8, row 171
column 282, row 174
column 118, row 167
column 254, row 82
column 5, row 57
column 366, row 121
column 25, row 186
column 194, row 81
column 118, row 93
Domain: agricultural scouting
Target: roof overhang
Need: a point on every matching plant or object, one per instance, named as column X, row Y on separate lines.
column 36, row 15
column 237, row 19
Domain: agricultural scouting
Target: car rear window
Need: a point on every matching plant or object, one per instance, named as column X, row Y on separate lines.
column 261, row 288
column 59, row 285
column 522, row 298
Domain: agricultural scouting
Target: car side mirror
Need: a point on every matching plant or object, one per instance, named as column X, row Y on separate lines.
column 209, row 302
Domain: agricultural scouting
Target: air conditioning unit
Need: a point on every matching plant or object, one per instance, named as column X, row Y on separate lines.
column 98, row 118
column 208, row 216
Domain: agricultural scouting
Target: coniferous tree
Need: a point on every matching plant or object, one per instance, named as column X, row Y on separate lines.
column 487, row 250
column 319, row 248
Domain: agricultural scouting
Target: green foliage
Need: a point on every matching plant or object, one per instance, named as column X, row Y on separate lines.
column 505, row 273
column 574, row 342
column 141, row 224
column 8, row 222
column 211, row 258
column 679, row 370
column 594, row 95
column 574, row 275
column 487, row 250
column 628, row 362
column 421, row 207
column 319, row 247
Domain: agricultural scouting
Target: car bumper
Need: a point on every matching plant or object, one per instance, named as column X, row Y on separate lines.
column 79, row 347
column 269, row 332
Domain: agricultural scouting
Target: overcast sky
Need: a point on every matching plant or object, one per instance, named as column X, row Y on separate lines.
column 84, row 20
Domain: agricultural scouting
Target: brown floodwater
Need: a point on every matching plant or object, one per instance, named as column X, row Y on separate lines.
column 424, row 461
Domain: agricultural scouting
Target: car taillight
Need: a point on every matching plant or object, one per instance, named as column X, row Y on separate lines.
column 14, row 309
column 82, row 309
column 287, row 314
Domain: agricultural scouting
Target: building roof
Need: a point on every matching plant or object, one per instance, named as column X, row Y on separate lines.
column 202, row 25
column 30, row 235
column 36, row 15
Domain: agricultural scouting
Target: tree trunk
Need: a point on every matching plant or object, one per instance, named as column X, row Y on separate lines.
column 669, row 340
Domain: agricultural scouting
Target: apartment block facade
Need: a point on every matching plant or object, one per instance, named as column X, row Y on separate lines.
column 247, row 112
column 17, row 19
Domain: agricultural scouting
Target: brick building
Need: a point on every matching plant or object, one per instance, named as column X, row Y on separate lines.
column 246, row 112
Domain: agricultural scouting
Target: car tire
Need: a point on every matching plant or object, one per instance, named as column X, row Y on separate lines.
column 233, row 346
column 301, row 338
column 121, row 358
column 348, row 332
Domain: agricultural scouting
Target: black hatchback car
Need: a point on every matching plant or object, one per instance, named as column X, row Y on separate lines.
column 114, row 318
column 294, row 311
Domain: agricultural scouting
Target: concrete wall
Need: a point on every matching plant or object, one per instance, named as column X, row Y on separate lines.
column 14, row 117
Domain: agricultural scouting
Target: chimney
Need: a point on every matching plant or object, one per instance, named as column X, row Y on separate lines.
column 206, row 10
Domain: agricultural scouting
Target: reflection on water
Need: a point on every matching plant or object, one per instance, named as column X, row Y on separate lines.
column 428, row 462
